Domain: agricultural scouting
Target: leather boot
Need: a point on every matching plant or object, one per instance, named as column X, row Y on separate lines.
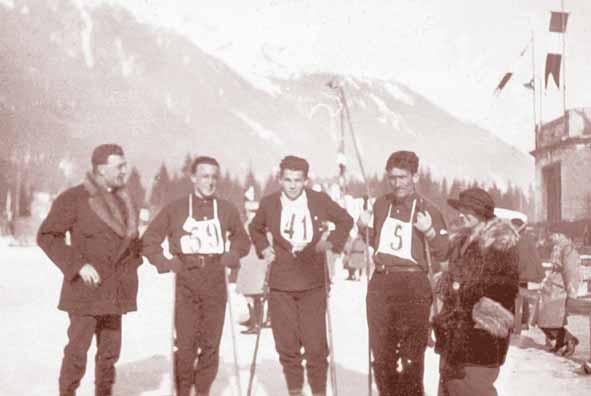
column 571, row 343
column 560, row 340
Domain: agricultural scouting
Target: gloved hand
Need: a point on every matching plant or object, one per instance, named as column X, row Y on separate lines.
column 230, row 260
column 423, row 222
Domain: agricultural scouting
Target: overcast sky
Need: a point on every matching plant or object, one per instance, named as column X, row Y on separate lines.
column 454, row 51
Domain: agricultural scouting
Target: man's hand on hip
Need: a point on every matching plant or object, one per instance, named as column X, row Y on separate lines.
column 89, row 275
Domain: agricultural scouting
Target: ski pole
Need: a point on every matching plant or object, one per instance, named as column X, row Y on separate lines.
column 258, row 318
column 345, row 107
column 173, row 381
column 333, row 371
column 234, row 346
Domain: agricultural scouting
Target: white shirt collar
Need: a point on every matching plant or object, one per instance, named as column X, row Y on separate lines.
column 301, row 201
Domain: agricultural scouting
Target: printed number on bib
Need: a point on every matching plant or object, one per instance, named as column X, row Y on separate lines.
column 205, row 238
column 297, row 227
column 397, row 241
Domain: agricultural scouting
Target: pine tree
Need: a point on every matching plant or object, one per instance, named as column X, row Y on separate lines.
column 496, row 194
column 136, row 189
column 443, row 189
column 251, row 180
column 271, row 185
column 162, row 184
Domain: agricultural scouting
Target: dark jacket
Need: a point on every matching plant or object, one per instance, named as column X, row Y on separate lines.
column 483, row 263
column 530, row 264
column 439, row 245
column 169, row 224
column 103, row 233
column 305, row 270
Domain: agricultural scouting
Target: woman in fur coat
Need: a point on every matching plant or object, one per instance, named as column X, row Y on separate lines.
column 560, row 284
column 478, row 293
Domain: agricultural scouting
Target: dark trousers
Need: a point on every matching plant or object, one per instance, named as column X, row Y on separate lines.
column 299, row 320
column 477, row 381
column 107, row 329
column 525, row 314
column 398, row 305
column 199, row 320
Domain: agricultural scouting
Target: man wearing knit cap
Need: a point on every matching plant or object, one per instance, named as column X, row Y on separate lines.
column 399, row 293
column 198, row 226
column 99, row 266
column 296, row 218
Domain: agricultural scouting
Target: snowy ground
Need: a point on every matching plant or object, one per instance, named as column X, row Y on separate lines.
column 33, row 334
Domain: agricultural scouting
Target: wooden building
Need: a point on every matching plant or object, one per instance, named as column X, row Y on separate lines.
column 563, row 170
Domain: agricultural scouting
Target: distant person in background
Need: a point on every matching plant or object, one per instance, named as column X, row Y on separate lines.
column 251, row 283
column 99, row 266
column 587, row 235
column 355, row 261
column 559, row 285
column 530, row 264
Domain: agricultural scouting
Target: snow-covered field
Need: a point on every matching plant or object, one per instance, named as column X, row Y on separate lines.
column 33, row 334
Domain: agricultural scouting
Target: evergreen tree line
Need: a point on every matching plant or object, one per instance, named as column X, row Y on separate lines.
column 167, row 186
column 439, row 190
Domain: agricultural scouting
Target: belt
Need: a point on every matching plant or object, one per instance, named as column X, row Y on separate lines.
column 198, row 261
column 386, row 269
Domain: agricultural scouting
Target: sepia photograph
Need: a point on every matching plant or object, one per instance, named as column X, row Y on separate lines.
column 295, row 198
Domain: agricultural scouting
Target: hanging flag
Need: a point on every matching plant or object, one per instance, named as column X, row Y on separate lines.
column 507, row 76
column 553, row 68
column 503, row 82
column 558, row 21
column 530, row 84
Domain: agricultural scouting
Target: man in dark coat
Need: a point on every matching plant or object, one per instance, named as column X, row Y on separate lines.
column 478, row 293
column 99, row 264
column 399, row 294
column 198, row 226
column 296, row 217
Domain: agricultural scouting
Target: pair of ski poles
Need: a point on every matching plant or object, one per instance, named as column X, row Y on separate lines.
column 173, row 383
column 333, row 376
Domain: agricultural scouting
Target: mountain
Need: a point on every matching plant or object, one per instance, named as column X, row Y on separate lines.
column 72, row 77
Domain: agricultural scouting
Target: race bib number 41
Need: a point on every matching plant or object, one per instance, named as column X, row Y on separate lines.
column 296, row 226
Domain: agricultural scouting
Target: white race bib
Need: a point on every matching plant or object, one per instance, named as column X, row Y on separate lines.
column 396, row 236
column 205, row 236
column 296, row 226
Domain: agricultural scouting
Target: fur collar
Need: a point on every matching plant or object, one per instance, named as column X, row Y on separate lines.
column 103, row 204
column 497, row 234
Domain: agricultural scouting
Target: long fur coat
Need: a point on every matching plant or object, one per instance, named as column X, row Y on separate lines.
column 483, row 262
